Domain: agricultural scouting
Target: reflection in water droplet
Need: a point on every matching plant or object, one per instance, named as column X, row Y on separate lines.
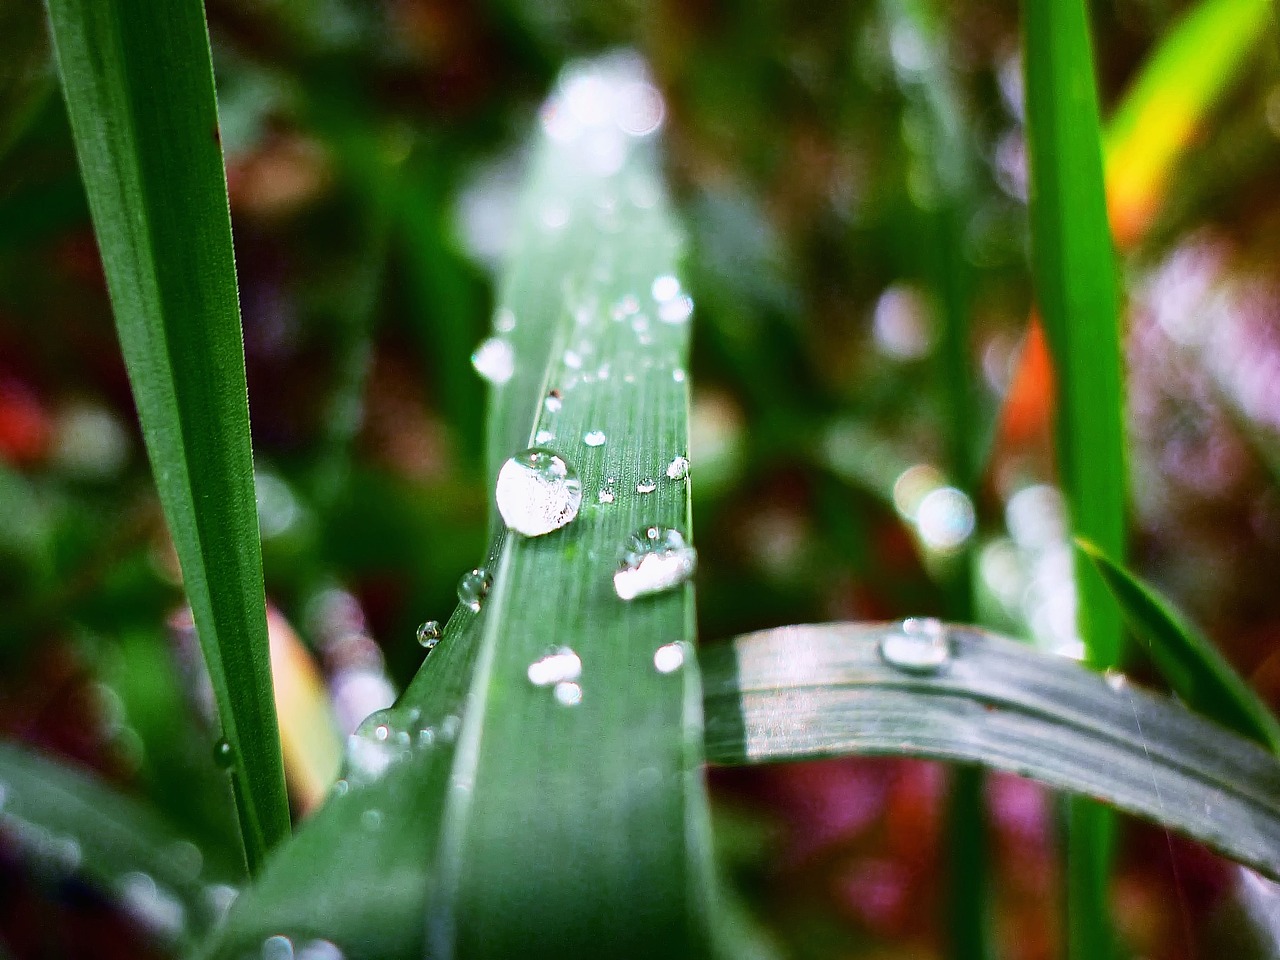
column 678, row 468
column 538, row 492
column 945, row 518
column 556, row 667
column 495, row 360
column 594, row 438
column 472, row 588
column 918, row 645
column 429, row 635
column 646, row 486
column 224, row 755
column 568, row 693
column 669, row 657
column 653, row 560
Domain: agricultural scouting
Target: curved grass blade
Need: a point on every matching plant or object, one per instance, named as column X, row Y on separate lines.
column 138, row 84
column 1187, row 659
column 483, row 815
column 819, row 691
column 68, row 822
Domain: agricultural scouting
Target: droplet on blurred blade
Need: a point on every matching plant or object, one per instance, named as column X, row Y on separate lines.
column 678, row 468
column 429, row 635
column 594, row 438
column 917, row 645
column 473, row 587
column 669, row 657
column 653, row 560
column 556, row 667
column 945, row 519
column 538, row 492
column 495, row 360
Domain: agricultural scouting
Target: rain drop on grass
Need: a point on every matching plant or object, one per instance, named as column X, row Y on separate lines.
column 646, row 486
column 568, row 693
column 495, row 360
column 669, row 657
column 595, row 438
column 429, row 635
column 678, row 468
column 538, row 492
column 558, row 666
column 653, row 560
column 917, row 645
column 473, row 587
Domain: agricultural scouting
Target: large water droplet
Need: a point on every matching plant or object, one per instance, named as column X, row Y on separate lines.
column 669, row 657
column 653, row 560
column 538, row 492
column 594, row 438
column 665, row 287
column 473, row 587
column 556, row 667
column 678, row 468
column 429, row 635
column 495, row 360
column 917, row 645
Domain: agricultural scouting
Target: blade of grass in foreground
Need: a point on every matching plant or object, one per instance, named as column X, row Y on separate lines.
column 833, row 690
column 138, row 84
column 1187, row 659
column 1075, row 282
column 68, row 822
column 488, row 814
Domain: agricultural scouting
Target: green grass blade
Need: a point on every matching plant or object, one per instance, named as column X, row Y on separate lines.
column 480, row 816
column 139, row 90
column 1187, row 659
column 820, row 691
column 1075, row 280
column 69, row 822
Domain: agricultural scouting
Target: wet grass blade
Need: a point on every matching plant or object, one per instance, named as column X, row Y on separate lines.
column 138, row 84
column 486, row 816
column 1187, row 659
column 1075, row 285
column 68, row 822
column 820, row 691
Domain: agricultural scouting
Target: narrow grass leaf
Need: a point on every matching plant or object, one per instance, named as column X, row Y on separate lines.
column 68, row 823
column 821, row 691
column 139, row 90
column 1187, row 659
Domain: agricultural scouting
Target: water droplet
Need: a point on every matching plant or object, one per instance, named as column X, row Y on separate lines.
column 472, row 588
column 605, row 495
column 665, row 287
column 646, row 485
column 151, row 905
column 573, row 360
column 677, row 375
column 543, row 436
column 504, row 321
column 653, row 560
column 1116, row 680
column 669, row 657
column 678, row 468
column 640, row 109
column 371, row 819
column 917, row 645
column 538, row 492
column 595, row 438
column 341, row 788
column 449, row 727
column 676, row 310
column 945, row 518
column 277, row 948
column 495, row 360
column 553, row 402
column 320, row 950
column 224, row 755
column 429, row 635
column 568, row 693
column 556, row 667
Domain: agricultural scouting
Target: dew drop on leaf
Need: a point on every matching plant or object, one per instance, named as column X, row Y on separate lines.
column 646, row 486
column 495, row 360
column 678, row 468
column 917, row 645
column 556, row 667
column 669, row 657
column 429, row 635
column 473, row 587
column 538, row 492
column 595, row 438
column 653, row 560
column 224, row 755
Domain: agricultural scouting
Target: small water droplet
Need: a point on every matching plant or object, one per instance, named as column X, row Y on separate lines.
column 543, row 436
column 568, row 693
column 538, row 492
column 646, row 485
column 917, row 645
column 605, row 495
column 945, row 518
column 504, row 321
column 665, row 287
column 495, row 360
column 472, row 588
column 277, row 948
column 594, row 438
column 1116, row 680
column 669, row 657
column 678, row 468
column 371, row 819
column 677, row 375
column 653, row 560
column 429, row 635
column 224, row 755
column 449, row 727
column 553, row 402
column 556, row 667
column 341, row 788
column 320, row 950
column 573, row 360
column 426, row 737
column 676, row 310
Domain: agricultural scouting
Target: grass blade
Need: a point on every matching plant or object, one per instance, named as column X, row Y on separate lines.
column 819, row 691
column 1074, row 272
column 481, row 816
column 1187, row 659
column 73, row 823
column 139, row 90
